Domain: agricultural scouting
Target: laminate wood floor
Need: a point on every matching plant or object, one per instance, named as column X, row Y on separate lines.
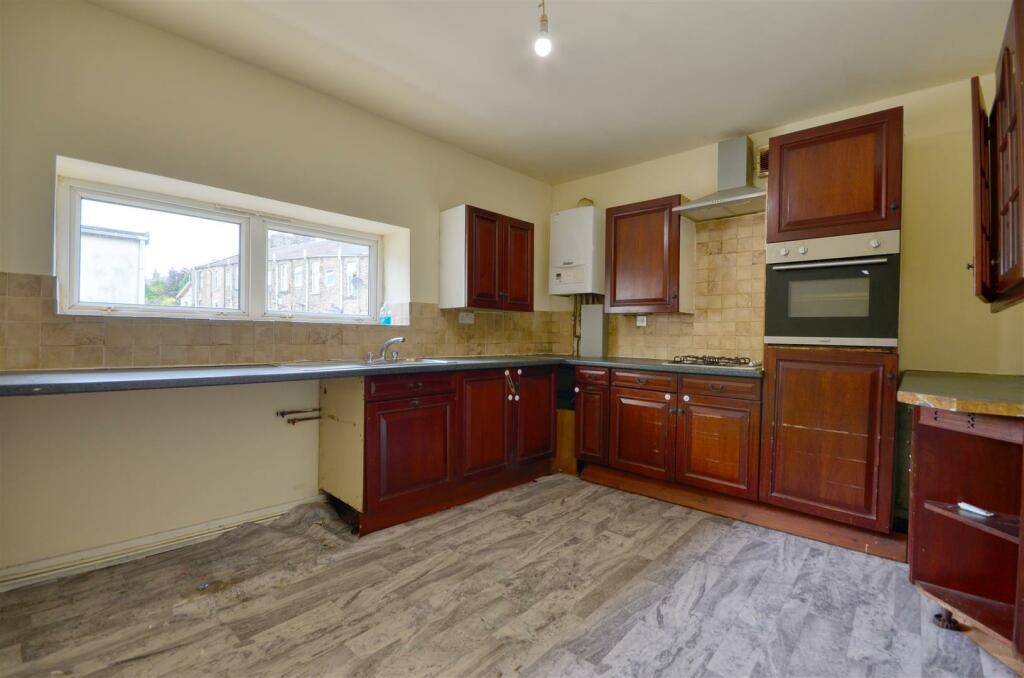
column 555, row 578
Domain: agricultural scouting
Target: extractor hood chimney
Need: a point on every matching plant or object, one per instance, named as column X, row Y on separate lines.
column 736, row 192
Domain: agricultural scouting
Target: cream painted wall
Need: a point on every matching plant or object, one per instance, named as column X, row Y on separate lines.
column 83, row 471
column 942, row 325
column 83, row 82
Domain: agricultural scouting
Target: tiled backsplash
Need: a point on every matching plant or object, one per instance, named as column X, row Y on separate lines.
column 729, row 318
column 32, row 336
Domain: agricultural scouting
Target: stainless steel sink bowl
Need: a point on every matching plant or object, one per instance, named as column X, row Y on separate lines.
column 316, row 365
column 411, row 361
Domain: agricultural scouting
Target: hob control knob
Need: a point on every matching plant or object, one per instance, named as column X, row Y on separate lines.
column 875, row 243
column 784, row 252
column 802, row 250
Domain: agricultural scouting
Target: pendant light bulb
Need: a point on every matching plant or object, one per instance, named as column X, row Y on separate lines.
column 542, row 45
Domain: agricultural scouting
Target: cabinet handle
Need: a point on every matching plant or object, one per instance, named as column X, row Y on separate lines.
column 717, row 387
column 511, row 385
column 892, row 377
column 894, row 206
column 668, row 396
column 416, row 385
column 415, row 403
column 641, row 380
column 576, row 389
column 510, row 396
column 686, row 398
column 517, row 398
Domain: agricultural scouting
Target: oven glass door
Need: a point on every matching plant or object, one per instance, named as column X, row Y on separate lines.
column 832, row 301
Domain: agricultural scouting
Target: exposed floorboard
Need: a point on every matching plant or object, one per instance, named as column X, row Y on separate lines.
column 558, row 577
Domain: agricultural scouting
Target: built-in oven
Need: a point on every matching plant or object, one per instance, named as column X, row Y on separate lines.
column 838, row 291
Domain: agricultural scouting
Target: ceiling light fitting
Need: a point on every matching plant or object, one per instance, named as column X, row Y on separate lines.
column 542, row 45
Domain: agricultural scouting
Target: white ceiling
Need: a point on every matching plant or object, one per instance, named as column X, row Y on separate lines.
column 628, row 81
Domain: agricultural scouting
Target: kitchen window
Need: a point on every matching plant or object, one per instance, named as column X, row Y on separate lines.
column 124, row 251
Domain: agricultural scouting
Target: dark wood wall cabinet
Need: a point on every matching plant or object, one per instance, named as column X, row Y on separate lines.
column 434, row 441
column 837, row 179
column 998, row 217
column 697, row 430
column 486, row 260
column 642, row 257
column 829, row 420
column 972, row 564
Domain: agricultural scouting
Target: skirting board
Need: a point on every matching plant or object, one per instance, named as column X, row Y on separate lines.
column 23, row 574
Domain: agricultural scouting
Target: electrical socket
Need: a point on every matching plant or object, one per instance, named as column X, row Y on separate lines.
column 466, row 318
column 641, row 321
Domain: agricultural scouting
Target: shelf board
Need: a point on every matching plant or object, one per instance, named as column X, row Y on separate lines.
column 992, row 616
column 1003, row 525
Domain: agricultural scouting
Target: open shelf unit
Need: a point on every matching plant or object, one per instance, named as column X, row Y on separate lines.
column 970, row 563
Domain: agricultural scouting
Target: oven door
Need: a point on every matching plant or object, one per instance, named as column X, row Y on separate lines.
column 839, row 302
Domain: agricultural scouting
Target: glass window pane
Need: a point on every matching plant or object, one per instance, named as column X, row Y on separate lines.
column 830, row 298
column 329, row 276
column 147, row 256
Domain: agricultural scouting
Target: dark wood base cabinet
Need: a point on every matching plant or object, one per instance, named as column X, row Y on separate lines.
column 461, row 436
column 642, row 434
column 717, row 441
column 829, row 419
column 696, row 430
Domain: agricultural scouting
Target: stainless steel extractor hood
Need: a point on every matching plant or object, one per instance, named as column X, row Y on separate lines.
column 736, row 192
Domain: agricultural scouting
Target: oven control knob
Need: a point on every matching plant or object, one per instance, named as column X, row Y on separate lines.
column 875, row 243
column 784, row 252
column 802, row 250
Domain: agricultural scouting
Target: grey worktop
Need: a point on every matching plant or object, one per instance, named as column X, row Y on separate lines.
column 962, row 392
column 133, row 379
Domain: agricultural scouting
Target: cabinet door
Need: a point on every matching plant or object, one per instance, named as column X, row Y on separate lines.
column 717, row 444
column 836, row 179
column 642, row 257
column 485, row 247
column 486, row 423
column 982, row 194
column 535, row 413
column 517, row 280
column 592, row 423
column 642, row 435
column 828, row 450
column 1009, row 260
column 410, row 452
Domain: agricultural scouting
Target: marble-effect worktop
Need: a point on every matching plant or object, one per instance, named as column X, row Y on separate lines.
column 1001, row 395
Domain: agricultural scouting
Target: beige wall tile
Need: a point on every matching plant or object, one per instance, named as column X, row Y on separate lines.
column 24, row 285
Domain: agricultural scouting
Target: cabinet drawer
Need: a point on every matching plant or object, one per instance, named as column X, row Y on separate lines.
column 722, row 387
column 592, row 375
column 655, row 381
column 998, row 428
column 404, row 385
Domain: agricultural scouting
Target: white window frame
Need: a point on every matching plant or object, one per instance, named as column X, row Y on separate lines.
column 254, row 285
column 376, row 281
column 68, row 249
